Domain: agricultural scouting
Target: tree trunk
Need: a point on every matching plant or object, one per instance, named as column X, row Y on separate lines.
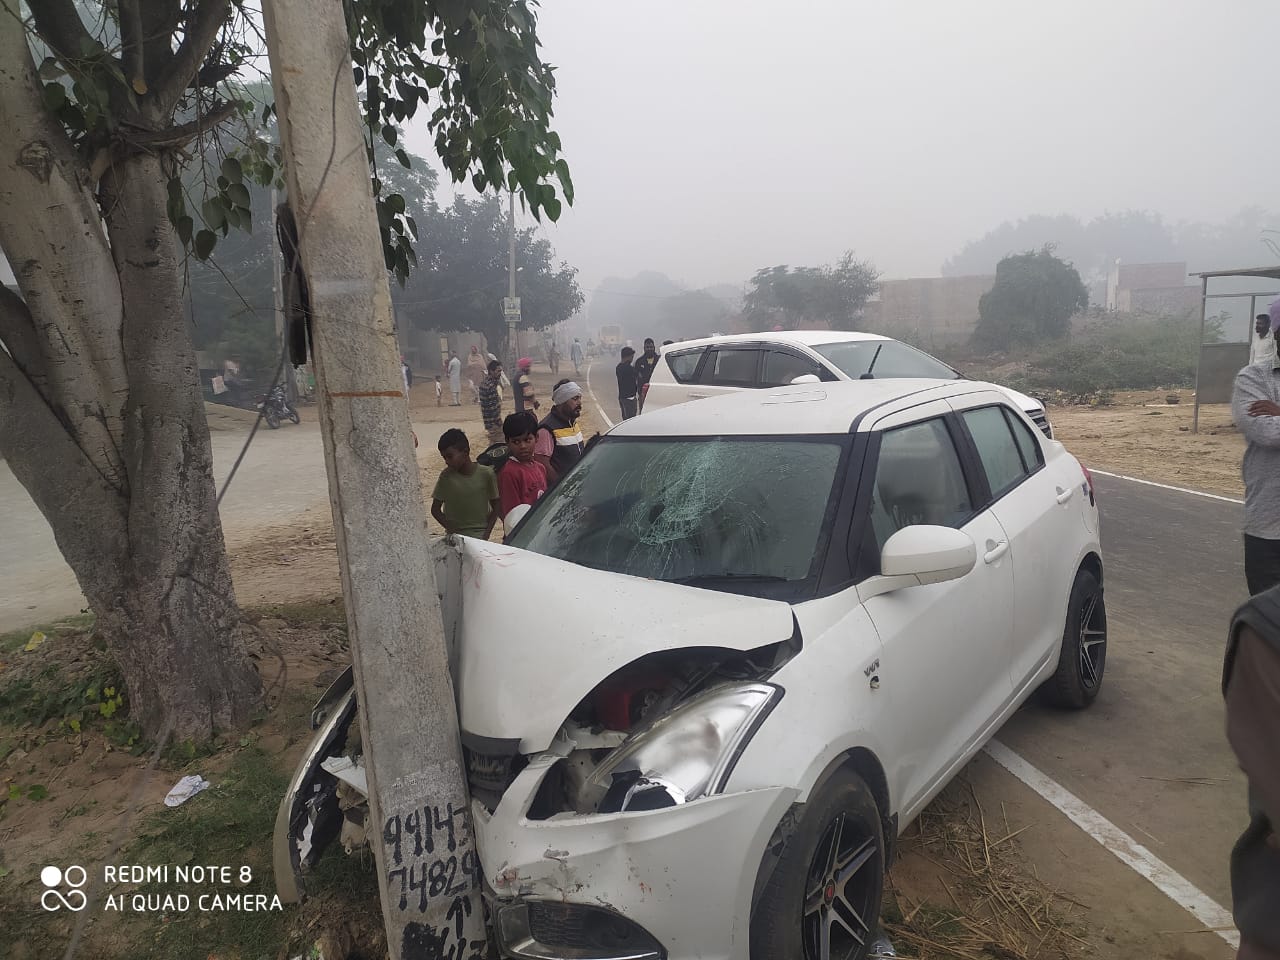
column 101, row 416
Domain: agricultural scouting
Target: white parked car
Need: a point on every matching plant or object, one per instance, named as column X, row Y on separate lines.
column 695, row 369
column 723, row 664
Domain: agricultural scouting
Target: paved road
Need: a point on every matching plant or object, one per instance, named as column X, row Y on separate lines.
column 1174, row 574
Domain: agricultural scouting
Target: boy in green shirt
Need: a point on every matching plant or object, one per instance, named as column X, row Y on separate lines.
column 465, row 499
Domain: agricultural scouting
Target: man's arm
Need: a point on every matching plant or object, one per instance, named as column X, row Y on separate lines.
column 1253, row 411
column 1253, row 717
column 543, row 446
column 492, row 520
column 437, row 511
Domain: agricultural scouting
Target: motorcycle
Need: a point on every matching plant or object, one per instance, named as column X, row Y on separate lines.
column 275, row 407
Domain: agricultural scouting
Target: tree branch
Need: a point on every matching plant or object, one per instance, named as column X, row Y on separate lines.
column 18, row 336
column 180, row 135
column 132, row 54
column 60, row 26
column 202, row 29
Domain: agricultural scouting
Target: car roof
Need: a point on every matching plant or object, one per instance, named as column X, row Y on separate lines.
column 797, row 409
column 802, row 338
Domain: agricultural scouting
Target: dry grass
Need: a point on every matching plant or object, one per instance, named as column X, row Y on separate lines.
column 995, row 906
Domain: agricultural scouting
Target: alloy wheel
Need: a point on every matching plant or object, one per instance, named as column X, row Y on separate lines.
column 1093, row 639
column 838, row 913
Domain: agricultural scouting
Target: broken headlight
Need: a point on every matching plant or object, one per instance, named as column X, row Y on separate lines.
column 683, row 755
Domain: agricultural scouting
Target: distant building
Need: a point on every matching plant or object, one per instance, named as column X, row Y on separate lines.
column 1151, row 288
column 928, row 310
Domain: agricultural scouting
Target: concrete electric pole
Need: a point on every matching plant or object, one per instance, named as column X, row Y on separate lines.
column 511, row 308
column 419, row 826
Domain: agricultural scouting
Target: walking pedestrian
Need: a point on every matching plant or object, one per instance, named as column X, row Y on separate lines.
column 491, row 402
column 553, row 358
column 465, row 498
column 475, row 370
column 1255, row 408
column 559, row 443
column 628, row 384
column 1251, row 688
column 439, row 391
column 576, row 355
column 408, row 372
column 455, row 379
column 644, row 369
column 525, row 397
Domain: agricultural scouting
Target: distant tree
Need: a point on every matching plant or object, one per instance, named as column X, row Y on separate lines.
column 830, row 295
column 462, row 273
column 1033, row 299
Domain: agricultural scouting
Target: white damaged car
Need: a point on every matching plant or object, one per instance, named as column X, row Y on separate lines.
column 751, row 639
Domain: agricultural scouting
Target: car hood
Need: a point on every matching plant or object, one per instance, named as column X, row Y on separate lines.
column 535, row 635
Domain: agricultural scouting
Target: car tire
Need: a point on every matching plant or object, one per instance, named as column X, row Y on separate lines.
column 829, row 876
column 1083, row 659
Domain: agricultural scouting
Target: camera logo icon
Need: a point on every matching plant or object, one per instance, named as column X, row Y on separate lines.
column 53, row 878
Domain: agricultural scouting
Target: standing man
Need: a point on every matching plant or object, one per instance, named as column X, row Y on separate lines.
column 559, row 443
column 455, row 379
column 644, row 369
column 628, row 384
column 1262, row 348
column 1251, row 688
column 576, row 355
column 525, row 399
column 491, row 402
column 1255, row 408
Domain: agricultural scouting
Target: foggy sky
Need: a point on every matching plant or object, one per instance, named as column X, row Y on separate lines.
column 708, row 138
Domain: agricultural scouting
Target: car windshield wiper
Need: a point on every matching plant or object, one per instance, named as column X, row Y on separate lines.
column 734, row 577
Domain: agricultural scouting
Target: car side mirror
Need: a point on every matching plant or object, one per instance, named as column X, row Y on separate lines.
column 806, row 378
column 921, row 554
column 515, row 516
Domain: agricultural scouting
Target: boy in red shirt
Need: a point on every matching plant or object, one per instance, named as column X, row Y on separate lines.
column 522, row 479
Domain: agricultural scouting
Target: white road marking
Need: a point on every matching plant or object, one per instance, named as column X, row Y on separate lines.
column 1167, row 880
column 595, row 399
column 1165, row 486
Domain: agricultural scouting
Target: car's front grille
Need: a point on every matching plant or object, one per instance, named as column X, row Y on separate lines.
column 1041, row 421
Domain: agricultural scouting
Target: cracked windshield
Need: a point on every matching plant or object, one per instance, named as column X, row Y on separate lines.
column 646, row 479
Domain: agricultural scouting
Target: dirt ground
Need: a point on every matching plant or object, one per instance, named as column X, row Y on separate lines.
column 1141, row 435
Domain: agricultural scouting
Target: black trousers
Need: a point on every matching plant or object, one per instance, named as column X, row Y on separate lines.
column 628, row 406
column 1261, row 563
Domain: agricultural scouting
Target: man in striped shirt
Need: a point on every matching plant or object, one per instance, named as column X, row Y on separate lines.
column 491, row 402
column 560, row 443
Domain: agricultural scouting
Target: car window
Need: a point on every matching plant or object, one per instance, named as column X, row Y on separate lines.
column 918, row 480
column 731, row 367
column 781, row 367
column 1025, row 437
column 711, row 513
column 683, row 365
column 884, row 358
column 1001, row 458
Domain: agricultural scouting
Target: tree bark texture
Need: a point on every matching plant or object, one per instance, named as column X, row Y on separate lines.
column 101, row 414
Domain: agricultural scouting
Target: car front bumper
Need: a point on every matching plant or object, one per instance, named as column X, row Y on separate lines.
column 683, row 875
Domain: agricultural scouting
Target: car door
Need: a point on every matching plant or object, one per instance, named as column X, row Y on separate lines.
column 674, row 376
column 1036, row 510
column 781, row 367
column 945, row 646
column 727, row 369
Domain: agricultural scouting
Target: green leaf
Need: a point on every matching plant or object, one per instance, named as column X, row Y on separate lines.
column 389, row 135
column 566, row 182
column 552, row 206
column 206, row 240
column 396, row 202
column 214, row 214
column 55, row 96
column 246, row 219
column 223, row 183
column 238, row 194
column 50, row 69
column 413, row 226
column 437, row 48
column 233, row 218
column 433, row 75
column 404, row 159
column 15, row 791
column 231, row 170
column 185, row 226
column 37, row 791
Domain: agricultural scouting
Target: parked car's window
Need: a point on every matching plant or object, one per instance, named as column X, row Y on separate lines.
column 1028, row 445
column 781, row 367
column 717, row 513
column 884, row 358
column 684, row 365
column 997, row 449
column 918, row 480
column 731, row 368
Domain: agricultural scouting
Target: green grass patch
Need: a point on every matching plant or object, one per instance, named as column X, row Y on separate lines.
column 14, row 640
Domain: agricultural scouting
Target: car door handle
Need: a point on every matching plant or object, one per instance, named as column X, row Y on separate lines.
column 1065, row 495
column 995, row 551
column 698, row 396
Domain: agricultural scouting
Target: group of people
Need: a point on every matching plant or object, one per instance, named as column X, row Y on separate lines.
column 470, row 496
column 633, row 377
column 1251, row 670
